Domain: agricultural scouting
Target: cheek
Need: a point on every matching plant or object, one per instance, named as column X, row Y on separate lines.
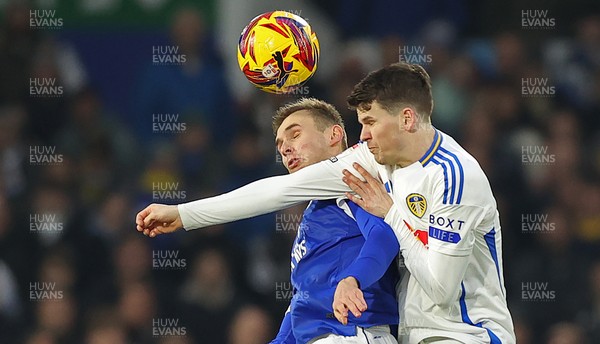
column 387, row 136
column 303, row 148
column 310, row 149
column 380, row 135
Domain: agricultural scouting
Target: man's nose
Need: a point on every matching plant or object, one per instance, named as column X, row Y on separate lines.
column 285, row 149
column 365, row 134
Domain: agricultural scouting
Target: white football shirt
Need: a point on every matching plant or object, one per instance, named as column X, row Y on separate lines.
column 445, row 219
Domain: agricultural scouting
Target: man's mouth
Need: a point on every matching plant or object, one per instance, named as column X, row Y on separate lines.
column 293, row 163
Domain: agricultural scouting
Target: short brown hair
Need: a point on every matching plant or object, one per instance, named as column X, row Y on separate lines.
column 394, row 86
column 324, row 114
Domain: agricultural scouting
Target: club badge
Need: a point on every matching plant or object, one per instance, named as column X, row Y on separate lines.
column 417, row 204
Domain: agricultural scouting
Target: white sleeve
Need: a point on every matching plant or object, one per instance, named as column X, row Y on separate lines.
column 322, row 180
column 440, row 267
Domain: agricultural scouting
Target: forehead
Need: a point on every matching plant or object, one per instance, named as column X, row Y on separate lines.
column 375, row 111
column 303, row 118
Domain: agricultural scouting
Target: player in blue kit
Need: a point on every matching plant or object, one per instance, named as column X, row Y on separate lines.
column 339, row 247
column 430, row 190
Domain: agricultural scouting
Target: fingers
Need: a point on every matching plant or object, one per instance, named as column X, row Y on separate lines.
column 359, row 300
column 348, row 300
column 368, row 177
column 341, row 308
column 144, row 221
column 139, row 218
column 152, row 232
column 372, row 181
column 157, row 219
column 354, row 183
column 149, row 220
column 355, row 303
column 341, row 314
column 354, row 198
column 359, row 186
column 349, row 178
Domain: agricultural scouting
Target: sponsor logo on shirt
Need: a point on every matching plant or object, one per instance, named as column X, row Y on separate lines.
column 443, row 235
column 419, row 234
column 445, row 222
column 298, row 252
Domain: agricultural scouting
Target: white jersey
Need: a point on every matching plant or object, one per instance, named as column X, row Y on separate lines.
column 445, row 219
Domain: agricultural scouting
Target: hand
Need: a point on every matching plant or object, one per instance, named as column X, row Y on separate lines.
column 158, row 219
column 348, row 297
column 373, row 196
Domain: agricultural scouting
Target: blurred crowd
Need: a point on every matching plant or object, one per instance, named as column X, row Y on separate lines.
column 75, row 168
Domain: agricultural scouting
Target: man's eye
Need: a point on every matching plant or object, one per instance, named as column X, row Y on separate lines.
column 296, row 134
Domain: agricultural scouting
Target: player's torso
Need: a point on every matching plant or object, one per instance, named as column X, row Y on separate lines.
column 328, row 241
column 413, row 192
column 324, row 232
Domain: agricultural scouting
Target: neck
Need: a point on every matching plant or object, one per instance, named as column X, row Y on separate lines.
column 417, row 146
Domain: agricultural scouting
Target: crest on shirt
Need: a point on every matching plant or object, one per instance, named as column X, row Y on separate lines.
column 417, row 204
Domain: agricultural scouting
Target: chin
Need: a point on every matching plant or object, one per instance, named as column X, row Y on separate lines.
column 296, row 169
column 380, row 160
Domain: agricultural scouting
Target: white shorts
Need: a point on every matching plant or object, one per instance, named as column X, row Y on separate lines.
column 440, row 340
column 371, row 335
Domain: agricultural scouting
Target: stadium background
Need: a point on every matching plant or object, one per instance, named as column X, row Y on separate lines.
column 116, row 131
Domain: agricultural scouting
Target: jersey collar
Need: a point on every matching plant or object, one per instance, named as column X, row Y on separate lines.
column 437, row 140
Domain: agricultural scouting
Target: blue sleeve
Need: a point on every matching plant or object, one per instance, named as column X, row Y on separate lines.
column 378, row 252
column 285, row 335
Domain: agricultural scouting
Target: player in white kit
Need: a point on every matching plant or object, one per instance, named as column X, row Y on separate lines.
column 431, row 192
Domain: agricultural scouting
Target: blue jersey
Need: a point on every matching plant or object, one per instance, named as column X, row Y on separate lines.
column 330, row 246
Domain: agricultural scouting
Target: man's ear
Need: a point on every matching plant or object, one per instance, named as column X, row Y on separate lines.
column 337, row 135
column 408, row 119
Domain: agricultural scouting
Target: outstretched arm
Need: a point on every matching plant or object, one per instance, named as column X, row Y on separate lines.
column 318, row 181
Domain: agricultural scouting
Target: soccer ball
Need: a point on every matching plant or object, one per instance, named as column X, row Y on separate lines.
column 278, row 52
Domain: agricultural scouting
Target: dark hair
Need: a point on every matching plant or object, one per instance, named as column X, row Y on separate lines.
column 394, row 86
column 324, row 114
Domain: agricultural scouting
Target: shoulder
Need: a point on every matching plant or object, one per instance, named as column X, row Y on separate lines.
column 359, row 148
column 456, row 174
